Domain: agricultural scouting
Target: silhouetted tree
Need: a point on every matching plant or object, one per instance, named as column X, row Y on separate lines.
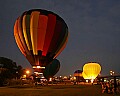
column 19, row 72
column 8, row 70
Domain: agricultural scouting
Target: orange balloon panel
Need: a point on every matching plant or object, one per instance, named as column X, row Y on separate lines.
column 40, row 35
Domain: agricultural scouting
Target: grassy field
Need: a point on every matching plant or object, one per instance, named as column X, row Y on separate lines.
column 54, row 90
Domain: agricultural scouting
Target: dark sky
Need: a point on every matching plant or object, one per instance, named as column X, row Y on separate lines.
column 94, row 27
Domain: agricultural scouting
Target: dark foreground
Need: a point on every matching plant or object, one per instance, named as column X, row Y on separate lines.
column 54, row 90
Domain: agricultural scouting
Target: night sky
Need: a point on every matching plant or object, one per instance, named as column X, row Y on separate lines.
column 94, row 27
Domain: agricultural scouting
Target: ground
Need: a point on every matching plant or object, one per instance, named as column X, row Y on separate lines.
column 54, row 90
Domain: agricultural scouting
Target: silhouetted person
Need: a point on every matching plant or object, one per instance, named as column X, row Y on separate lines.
column 115, row 87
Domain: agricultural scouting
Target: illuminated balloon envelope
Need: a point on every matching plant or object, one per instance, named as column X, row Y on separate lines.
column 78, row 73
column 51, row 69
column 91, row 70
column 40, row 35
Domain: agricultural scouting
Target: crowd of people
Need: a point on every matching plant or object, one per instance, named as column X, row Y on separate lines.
column 109, row 87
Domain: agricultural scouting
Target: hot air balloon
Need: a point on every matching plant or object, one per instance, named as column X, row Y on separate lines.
column 91, row 70
column 40, row 35
column 51, row 69
column 78, row 73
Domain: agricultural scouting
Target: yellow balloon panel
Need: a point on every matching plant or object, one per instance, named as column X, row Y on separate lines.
column 85, row 76
column 25, row 31
column 33, row 30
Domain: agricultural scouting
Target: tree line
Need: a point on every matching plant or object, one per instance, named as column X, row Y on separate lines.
column 9, row 70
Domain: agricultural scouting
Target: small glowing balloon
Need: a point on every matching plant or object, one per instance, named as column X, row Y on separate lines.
column 91, row 70
column 78, row 73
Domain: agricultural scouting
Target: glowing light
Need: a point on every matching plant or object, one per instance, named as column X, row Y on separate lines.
column 74, row 78
column 87, row 81
column 50, row 79
column 24, row 76
column 42, row 77
column 35, row 72
column 112, row 72
column 92, row 80
column 38, row 73
column 65, row 77
column 39, row 67
column 27, row 71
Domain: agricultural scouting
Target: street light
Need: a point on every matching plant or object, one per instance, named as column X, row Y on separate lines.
column 16, row 75
column 27, row 72
column 112, row 73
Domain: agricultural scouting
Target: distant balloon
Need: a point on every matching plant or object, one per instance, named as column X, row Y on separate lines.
column 78, row 73
column 91, row 70
column 51, row 69
column 40, row 35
